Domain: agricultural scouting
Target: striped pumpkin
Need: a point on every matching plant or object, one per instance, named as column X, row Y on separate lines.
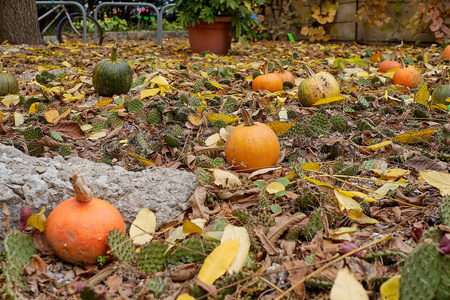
column 8, row 83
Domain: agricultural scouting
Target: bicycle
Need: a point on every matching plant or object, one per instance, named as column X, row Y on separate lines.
column 70, row 27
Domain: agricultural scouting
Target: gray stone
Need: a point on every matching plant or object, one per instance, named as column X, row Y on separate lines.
column 44, row 182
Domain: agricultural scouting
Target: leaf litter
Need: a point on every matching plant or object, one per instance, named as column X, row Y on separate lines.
column 345, row 205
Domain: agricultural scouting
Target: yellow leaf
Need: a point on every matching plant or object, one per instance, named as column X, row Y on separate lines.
column 226, row 118
column 279, row 127
column 275, row 187
column 141, row 159
column 189, row 227
column 43, row 87
column 359, row 217
column 216, row 84
column 66, row 64
column 347, row 287
column 225, row 179
column 218, row 261
column 18, row 119
column 415, row 137
column 14, row 99
column 75, row 88
column 195, row 119
column 346, row 202
column 159, row 80
column 379, row 145
column 204, row 74
column 422, row 94
column 34, row 108
column 343, row 230
column 214, row 236
column 329, row 100
column 51, row 115
column 103, row 102
column 185, row 296
column 41, row 68
column 390, row 289
column 318, row 182
column 213, row 140
column 96, row 136
column 149, row 93
column 311, row 167
column 143, row 225
column 38, row 220
column 391, row 173
column 382, row 191
column 237, row 233
column 439, row 180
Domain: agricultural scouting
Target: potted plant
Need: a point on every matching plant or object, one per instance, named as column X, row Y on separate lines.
column 211, row 23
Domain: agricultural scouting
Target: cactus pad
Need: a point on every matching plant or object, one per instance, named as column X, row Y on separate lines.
column 445, row 210
column 151, row 258
column 121, row 246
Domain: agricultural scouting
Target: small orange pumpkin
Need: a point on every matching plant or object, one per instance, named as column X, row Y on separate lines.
column 408, row 77
column 387, row 65
column 446, row 53
column 284, row 75
column 268, row 81
column 252, row 146
column 390, row 64
column 77, row 229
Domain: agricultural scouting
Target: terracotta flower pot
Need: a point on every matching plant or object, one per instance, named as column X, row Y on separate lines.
column 215, row 37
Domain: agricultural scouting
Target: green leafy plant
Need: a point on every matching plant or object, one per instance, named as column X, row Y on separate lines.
column 113, row 24
column 240, row 11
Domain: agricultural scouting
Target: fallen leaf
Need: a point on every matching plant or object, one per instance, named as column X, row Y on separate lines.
column 226, row 179
column 390, row 289
column 142, row 226
column 38, row 220
column 218, row 261
column 439, row 180
column 237, row 233
column 347, row 287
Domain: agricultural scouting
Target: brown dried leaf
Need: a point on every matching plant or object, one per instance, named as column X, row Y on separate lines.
column 259, row 232
column 197, row 202
column 274, row 232
column 424, row 163
column 69, row 129
column 38, row 263
column 49, row 142
column 211, row 152
column 297, row 271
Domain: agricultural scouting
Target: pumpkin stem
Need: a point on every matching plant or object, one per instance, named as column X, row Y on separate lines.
column 394, row 52
column 248, row 121
column 280, row 65
column 266, row 67
column 114, row 53
column 82, row 192
column 309, row 70
column 402, row 63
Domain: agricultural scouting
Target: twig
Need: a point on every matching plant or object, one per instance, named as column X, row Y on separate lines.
column 332, row 262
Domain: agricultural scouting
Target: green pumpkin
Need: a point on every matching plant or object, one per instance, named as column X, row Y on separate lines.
column 316, row 87
column 440, row 94
column 8, row 83
column 112, row 76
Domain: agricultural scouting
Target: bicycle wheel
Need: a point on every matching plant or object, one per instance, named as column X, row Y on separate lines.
column 65, row 32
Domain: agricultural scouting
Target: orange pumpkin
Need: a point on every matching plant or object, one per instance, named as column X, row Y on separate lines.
column 408, row 77
column 284, row 75
column 390, row 64
column 387, row 65
column 268, row 81
column 446, row 53
column 252, row 146
column 76, row 229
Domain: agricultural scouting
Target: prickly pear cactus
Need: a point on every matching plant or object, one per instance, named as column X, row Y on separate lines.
column 152, row 257
column 339, row 123
column 121, row 246
column 18, row 250
column 134, row 105
column 421, row 273
column 433, row 233
column 186, row 256
column 445, row 211
column 296, row 130
column 319, row 124
column 443, row 291
column 315, row 224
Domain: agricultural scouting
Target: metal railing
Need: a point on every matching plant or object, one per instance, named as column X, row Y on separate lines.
column 159, row 14
column 83, row 12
